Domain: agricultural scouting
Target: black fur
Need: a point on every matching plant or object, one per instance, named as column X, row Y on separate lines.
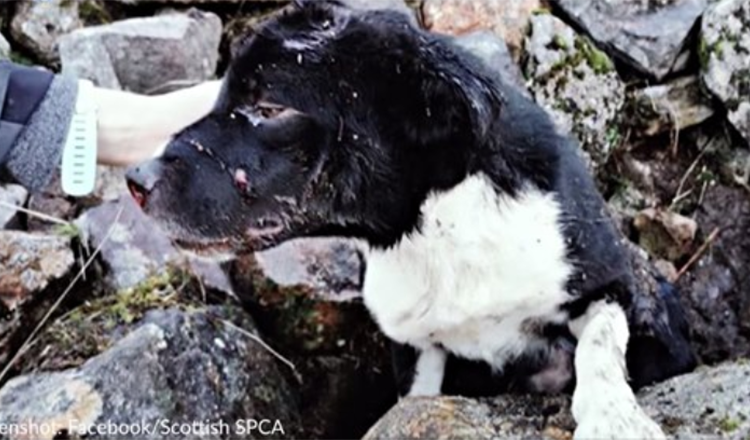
column 385, row 114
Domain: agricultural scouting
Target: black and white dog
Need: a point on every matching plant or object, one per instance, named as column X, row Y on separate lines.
column 488, row 239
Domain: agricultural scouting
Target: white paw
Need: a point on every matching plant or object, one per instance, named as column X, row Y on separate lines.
column 631, row 423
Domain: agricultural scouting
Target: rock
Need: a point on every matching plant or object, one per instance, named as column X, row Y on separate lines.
column 647, row 35
column 710, row 402
column 173, row 46
column 717, row 288
column 676, row 105
column 494, row 52
column 395, row 5
column 175, row 369
column 134, row 247
column 665, row 234
column 735, row 168
column 190, row 2
column 331, row 268
column 32, row 269
column 577, row 84
column 508, row 19
column 38, row 25
column 110, row 183
column 462, row 418
column 4, row 48
column 706, row 402
column 30, row 262
column 50, row 201
column 13, row 195
column 724, row 48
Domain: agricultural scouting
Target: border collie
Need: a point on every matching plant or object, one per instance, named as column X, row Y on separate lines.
column 488, row 241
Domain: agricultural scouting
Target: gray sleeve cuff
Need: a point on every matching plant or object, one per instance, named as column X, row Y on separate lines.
column 36, row 154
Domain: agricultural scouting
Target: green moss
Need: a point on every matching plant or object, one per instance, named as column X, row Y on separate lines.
column 19, row 58
column 613, row 136
column 92, row 12
column 67, row 230
column 703, row 54
column 559, row 42
column 541, row 11
column 728, row 424
column 87, row 330
column 599, row 61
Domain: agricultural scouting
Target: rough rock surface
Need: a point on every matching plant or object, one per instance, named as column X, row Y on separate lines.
column 577, row 84
column 185, row 46
column 30, row 265
column 494, row 52
column 133, row 247
column 38, row 25
column 4, row 48
column 725, row 56
column 648, row 35
column 332, row 268
column 676, row 105
column 710, row 402
column 13, row 195
column 396, row 5
column 707, row 402
column 178, row 366
column 29, row 262
column 508, row 19
column 716, row 290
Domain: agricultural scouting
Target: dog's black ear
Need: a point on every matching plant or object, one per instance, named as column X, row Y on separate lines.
column 458, row 104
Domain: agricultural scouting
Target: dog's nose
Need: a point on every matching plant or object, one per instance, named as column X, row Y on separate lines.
column 142, row 178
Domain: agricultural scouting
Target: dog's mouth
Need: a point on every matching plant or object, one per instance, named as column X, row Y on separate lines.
column 261, row 234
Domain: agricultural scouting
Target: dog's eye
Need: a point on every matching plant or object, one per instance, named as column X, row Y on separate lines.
column 263, row 111
column 270, row 111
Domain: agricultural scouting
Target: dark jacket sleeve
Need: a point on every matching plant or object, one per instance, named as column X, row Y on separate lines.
column 42, row 105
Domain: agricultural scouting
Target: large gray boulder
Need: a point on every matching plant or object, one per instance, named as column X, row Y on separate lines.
column 330, row 268
column 141, row 54
column 648, row 35
column 725, row 57
column 708, row 403
column 577, row 84
column 180, row 374
column 133, row 247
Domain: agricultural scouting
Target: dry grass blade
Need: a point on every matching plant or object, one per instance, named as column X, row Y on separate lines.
column 81, row 273
column 32, row 213
column 263, row 344
column 701, row 250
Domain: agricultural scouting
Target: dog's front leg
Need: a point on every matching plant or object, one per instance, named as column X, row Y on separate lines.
column 428, row 372
column 604, row 405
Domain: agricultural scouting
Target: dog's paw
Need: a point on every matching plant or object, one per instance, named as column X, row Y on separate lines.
column 630, row 424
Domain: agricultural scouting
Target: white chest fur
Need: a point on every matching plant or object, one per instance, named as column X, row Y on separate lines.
column 480, row 269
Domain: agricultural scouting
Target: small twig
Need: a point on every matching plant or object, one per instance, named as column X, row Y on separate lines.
column 32, row 213
column 31, row 339
column 687, row 174
column 680, row 197
column 701, row 250
column 263, row 344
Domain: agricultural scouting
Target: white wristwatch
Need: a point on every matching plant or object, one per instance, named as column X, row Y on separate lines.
column 79, row 153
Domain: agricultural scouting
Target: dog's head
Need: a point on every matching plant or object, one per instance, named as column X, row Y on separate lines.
column 330, row 121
